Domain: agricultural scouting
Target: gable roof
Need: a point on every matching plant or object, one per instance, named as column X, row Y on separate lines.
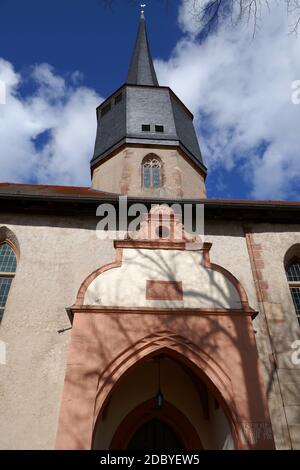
column 70, row 199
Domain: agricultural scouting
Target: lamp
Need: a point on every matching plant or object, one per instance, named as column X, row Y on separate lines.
column 159, row 398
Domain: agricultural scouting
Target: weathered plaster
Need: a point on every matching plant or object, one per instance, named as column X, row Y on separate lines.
column 122, row 174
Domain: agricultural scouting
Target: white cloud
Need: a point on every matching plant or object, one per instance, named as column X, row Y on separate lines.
column 48, row 136
column 240, row 90
column 188, row 15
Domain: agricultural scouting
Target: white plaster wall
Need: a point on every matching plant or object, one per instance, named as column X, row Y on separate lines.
column 126, row 286
column 180, row 177
column 229, row 250
column 56, row 256
column 282, row 323
column 276, row 317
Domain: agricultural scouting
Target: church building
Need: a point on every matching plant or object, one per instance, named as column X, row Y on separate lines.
column 153, row 334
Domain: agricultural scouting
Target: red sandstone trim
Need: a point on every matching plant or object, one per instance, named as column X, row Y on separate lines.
column 138, row 244
column 150, row 244
column 164, row 290
column 198, row 360
column 125, row 145
column 291, row 256
column 162, row 311
column 257, row 266
column 83, row 288
column 168, row 245
column 13, row 247
column 177, row 347
column 161, row 244
column 215, row 267
column 8, row 238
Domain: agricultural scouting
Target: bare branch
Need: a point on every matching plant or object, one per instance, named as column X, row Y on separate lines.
column 210, row 13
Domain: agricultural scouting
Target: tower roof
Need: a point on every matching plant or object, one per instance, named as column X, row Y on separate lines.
column 141, row 70
column 143, row 113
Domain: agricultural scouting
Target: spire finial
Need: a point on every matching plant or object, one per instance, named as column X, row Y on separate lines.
column 143, row 5
column 141, row 70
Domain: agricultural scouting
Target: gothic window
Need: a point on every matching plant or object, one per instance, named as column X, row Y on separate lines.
column 152, row 169
column 293, row 277
column 8, row 265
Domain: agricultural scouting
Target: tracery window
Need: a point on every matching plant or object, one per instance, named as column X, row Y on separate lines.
column 8, row 266
column 293, row 277
column 152, row 172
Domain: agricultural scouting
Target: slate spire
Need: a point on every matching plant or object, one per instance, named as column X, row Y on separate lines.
column 142, row 102
column 141, row 70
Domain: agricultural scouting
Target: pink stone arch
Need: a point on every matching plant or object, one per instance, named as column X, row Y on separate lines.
column 182, row 350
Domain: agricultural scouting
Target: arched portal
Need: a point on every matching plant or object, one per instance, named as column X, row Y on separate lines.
column 160, row 298
column 161, row 404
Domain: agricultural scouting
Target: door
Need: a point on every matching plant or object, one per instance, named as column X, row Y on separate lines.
column 155, row 435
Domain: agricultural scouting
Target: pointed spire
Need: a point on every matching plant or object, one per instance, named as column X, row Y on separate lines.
column 141, row 70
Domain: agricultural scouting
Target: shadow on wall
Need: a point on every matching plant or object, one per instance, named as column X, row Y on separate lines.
column 163, row 380
column 284, row 328
column 225, row 345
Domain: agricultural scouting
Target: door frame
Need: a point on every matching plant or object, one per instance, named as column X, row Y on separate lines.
column 148, row 410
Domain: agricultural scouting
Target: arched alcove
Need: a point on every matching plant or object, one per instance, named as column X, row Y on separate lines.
column 188, row 409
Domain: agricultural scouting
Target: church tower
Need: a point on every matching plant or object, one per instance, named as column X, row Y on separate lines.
column 146, row 144
column 149, row 338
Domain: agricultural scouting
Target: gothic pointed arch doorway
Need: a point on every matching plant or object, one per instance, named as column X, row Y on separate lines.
column 171, row 410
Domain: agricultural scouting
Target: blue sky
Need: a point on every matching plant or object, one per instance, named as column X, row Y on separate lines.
column 83, row 35
column 60, row 58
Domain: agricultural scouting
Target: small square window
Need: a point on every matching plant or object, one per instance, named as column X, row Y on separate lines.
column 105, row 109
column 146, row 127
column 118, row 98
column 159, row 128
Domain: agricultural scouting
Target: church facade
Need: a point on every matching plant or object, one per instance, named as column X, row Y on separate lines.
column 148, row 335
